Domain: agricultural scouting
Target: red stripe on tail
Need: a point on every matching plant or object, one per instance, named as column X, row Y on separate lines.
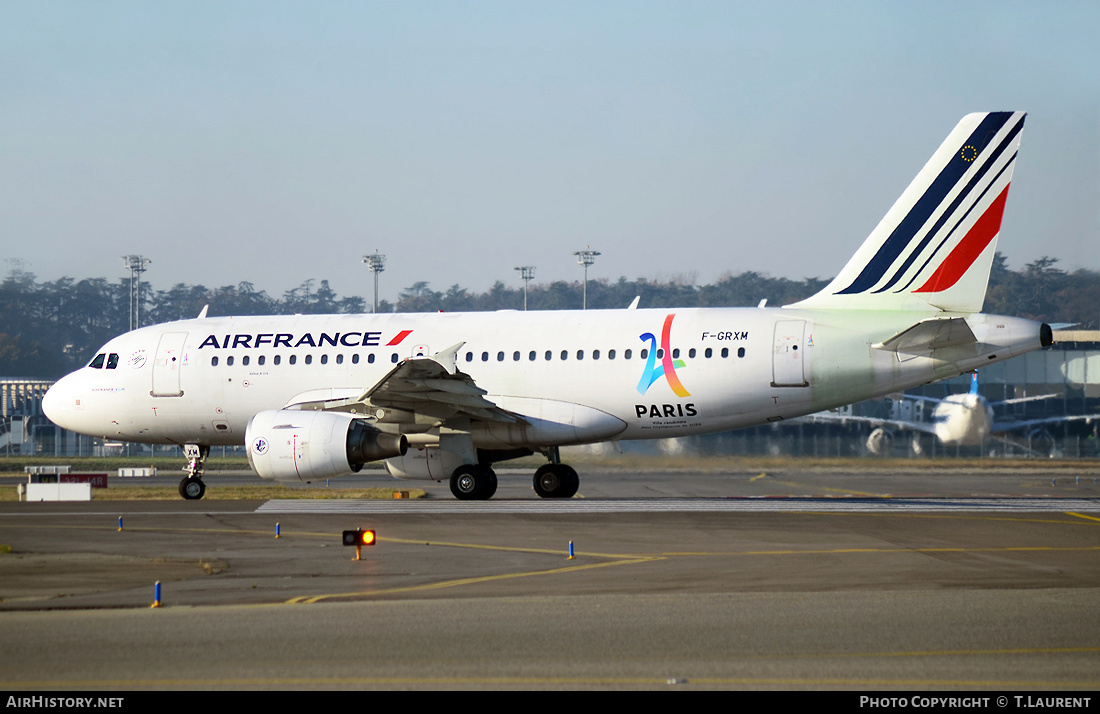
column 968, row 249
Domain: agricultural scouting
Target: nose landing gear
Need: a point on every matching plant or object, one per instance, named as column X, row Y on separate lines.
column 191, row 486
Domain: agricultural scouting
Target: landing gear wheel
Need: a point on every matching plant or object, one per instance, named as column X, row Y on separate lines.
column 473, row 482
column 556, row 481
column 192, row 488
column 490, row 484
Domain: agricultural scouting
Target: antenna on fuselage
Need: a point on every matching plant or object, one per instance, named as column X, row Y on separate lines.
column 202, row 313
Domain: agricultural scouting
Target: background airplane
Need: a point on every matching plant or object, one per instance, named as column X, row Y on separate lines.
column 967, row 419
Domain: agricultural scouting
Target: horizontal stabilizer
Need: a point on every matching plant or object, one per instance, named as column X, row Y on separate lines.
column 931, row 334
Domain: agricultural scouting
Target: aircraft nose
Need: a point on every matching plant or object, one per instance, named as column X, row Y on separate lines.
column 58, row 401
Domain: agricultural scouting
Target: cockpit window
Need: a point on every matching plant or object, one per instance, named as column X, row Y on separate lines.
column 112, row 361
column 97, row 363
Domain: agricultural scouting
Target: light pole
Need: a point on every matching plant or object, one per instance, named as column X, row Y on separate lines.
column 376, row 262
column 527, row 272
column 136, row 264
column 586, row 258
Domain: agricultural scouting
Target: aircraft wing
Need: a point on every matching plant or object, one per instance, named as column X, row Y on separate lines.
column 1006, row 426
column 830, row 417
column 922, row 398
column 423, row 389
column 1020, row 400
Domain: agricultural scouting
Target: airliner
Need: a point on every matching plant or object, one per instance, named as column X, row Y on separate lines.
column 965, row 419
column 446, row 396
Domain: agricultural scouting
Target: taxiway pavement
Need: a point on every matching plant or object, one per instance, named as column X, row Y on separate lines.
column 677, row 580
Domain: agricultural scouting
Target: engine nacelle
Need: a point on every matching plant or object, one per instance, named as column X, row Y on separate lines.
column 429, row 462
column 293, row 446
column 880, row 442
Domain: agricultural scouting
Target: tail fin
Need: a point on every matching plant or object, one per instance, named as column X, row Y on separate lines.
column 934, row 248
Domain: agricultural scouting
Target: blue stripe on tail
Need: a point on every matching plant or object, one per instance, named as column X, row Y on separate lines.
column 924, row 207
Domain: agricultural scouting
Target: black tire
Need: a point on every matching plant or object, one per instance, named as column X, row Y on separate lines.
column 546, row 481
column 556, row 481
column 473, row 482
column 192, row 489
column 571, row 482
column 490, row 484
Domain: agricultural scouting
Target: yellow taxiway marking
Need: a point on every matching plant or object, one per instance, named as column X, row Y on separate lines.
column 511, row 548
column 850, row 551
column 794, row 484
column 971, row 516
column 467, row 581
column 619, row 559
column 634, row 559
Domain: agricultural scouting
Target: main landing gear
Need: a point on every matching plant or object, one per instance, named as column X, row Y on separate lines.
column 556, row 481
column 473, row 482
column 191, row 486
column 478, row 482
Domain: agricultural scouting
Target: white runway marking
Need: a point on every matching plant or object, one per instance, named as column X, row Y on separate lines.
column 688, row 505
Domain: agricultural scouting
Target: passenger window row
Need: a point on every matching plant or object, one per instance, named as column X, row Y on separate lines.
column 548, row 355
column 293, row 359
column 532, row 356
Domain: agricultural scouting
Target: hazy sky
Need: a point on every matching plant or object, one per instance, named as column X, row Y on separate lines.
column 276, row 142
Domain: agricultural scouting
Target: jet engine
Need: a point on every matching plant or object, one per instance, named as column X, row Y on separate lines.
column 294, row 446
column 425, row 462
column 880, row 442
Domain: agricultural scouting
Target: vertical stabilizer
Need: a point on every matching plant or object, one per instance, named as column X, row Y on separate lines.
column 935, row 246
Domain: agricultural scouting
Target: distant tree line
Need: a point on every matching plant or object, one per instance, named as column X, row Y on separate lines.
column 50, row 328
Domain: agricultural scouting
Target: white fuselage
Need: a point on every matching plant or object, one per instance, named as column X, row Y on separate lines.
column 964, row 419
column 200, row 381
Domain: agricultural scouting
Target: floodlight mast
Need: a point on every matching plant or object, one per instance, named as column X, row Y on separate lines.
column 136, row 264
column 527, row 272
column 586, row 258
column 376, row 263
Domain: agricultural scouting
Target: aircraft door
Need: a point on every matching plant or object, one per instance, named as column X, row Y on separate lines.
column 789, row 354
column 166, row 365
